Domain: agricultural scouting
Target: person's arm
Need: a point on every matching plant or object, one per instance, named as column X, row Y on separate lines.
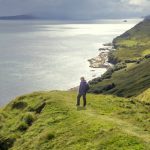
column 87, row 87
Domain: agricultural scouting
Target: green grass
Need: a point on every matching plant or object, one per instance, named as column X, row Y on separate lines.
column 130, row 81
column 144, row 97
column 134, row 43
column 108, row 123
column 146, row 51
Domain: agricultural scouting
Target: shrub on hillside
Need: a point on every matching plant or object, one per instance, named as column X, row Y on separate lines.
column 119, row 66
column 6, row 142
column 23, row 126
column 26, row 121
column 112, row 58
column 96, row 90
column 102, row 89
column 40, row 107
column 19, row 105
column 50, row 136
column 147, row 56
column 37, row 108
column 95, row 80
column 108, row 87
column 28, row 118
column 47, row 135
column 134, row 60
column 108, row 73
column 130, row 61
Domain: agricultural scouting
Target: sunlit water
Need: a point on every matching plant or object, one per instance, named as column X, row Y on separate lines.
column 39, row 55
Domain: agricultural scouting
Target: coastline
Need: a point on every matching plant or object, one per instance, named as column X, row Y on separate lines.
column 52, row 70
column 100, row 61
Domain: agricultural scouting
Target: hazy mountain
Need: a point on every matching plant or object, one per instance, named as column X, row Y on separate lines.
column 18, row 17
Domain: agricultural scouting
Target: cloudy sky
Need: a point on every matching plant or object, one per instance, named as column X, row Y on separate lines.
column 76, row 9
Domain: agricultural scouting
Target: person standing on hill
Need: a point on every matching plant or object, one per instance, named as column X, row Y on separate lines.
column 83, row 88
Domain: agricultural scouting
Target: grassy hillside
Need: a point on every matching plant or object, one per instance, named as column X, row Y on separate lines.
column 133, row 44
column 50, row 120
column 144, row 97
column 128, row 82
column 131, row 73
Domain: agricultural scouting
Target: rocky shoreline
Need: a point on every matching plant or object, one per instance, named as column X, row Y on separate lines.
column 101, row 61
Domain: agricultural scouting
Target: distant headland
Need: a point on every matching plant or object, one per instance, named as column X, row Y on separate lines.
column 19, row 17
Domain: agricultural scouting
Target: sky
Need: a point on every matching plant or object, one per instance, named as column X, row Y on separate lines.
column 76, row 9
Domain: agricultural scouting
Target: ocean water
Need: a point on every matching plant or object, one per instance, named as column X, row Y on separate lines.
column 43, row 55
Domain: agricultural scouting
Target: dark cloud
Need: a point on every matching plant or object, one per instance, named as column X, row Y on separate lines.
column 76, row 9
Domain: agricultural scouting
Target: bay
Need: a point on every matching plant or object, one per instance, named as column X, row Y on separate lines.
column 45, row 55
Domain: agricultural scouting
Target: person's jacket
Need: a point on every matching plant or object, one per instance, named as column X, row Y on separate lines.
column 83, row 88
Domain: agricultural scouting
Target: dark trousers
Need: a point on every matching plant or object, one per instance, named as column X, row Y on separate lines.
column 84, row 99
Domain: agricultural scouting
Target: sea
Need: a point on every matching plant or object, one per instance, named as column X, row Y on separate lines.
column 44, row 55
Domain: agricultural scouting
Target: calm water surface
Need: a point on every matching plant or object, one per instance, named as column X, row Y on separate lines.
column 40, row 55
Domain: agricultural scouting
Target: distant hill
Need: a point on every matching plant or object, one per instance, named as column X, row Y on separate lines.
column 18, row 17
column 147, row 17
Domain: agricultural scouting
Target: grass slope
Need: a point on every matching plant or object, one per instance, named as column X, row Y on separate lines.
column 130, row 81
column 132, row 46
column 50, row 120
column 144, row 97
